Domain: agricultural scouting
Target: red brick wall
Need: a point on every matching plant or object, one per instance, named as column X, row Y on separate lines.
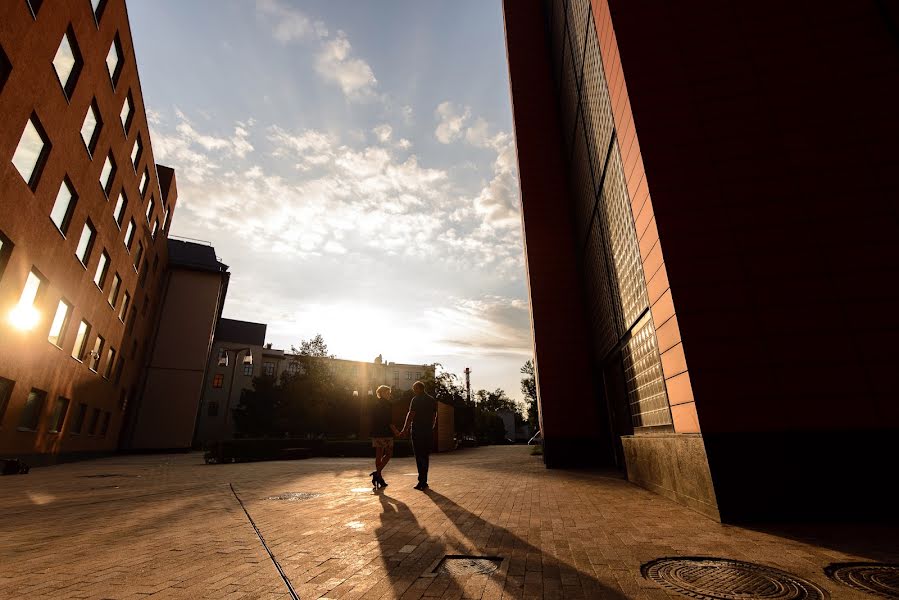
column 29, row 358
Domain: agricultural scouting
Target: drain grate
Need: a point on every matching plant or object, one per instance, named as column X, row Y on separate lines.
column 708, row 578
column 460, row 565
column 880, row 579
column 294, row 496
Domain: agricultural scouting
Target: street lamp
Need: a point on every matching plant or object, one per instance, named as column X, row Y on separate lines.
column 223, row 362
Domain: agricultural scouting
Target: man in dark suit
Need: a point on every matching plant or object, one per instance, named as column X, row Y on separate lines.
column 421, row 420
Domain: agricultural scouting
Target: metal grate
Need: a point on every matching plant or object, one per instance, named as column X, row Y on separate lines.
column 879, row 579
column 723, row 579
column 294, row 496
column 644, row 379
column 462, row 565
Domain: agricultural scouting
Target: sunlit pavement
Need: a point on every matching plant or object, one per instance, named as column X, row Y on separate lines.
column 168, row 526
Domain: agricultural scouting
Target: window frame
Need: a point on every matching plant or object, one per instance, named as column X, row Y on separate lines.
column 80, row 349
column 113, row 297
column 96, row 355
column 110, row 178
column 5, row 68
column 116, row 73
column 130, row 232
column 218, row 381
column 120, row 208
column 91, row 144
column 40, row 162
column 94, row 420
column 129, row 104
column 89, row 248
column 63, row 228
column 110, row 362
column 32, row 412
column 137, row 152
column 63, row 327
column 102, row 264
column 68, row 86
column 58, row 417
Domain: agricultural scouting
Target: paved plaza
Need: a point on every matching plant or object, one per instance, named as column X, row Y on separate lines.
column 169, row 526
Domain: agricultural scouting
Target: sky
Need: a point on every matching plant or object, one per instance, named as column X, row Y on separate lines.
column 353, row 164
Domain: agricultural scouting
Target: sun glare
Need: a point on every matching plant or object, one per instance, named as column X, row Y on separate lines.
column 24, row 317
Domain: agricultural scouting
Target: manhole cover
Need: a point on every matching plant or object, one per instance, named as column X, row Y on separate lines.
column 294, row 496
column 880, row 579
column 722, row 579
column 460, row 565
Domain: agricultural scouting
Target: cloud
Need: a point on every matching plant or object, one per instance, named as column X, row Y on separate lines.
column 289, row 23
column 499, row 199
column 198, row 154
column 335, row 63
column 451, row 121
column 383, row 132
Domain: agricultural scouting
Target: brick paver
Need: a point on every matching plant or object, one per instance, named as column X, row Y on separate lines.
column 168, row 526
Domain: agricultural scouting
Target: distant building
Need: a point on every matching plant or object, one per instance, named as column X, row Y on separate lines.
column 221, row 396
column 84, row 216
column 165, row 410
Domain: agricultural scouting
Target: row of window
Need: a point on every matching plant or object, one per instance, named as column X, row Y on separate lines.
column 30, row 418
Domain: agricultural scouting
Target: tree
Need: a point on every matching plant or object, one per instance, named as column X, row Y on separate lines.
column 495, row 401
column 529, row 389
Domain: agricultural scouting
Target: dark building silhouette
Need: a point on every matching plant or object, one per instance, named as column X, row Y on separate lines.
column 709, row 207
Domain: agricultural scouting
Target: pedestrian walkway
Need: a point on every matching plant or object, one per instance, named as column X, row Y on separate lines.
column 168, row 526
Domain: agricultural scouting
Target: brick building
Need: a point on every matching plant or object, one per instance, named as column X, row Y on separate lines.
column 715, row 185
column 84, row 217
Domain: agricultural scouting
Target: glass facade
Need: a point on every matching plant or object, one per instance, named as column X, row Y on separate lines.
column 622, row 332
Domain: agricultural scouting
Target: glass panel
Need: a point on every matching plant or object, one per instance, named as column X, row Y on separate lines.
column 106, row 173
column 150, row 206
column 129, row 234
column 114, row 290
column 136, row 152
column 28, row 152
column 89, row 126
column 102, row 266
column 118, row 212
column 81, row 340
column 112, row 60
column 96, row 353
column 144, row 179
column 64, row 61
column 59, row 415
column 155, row 229
column 139, row 254
column 123, row 310
column 92, row 426
column 31, row 413
column 78, row 423
column 83, row 251
column 126, row 111
column 110, row 360
column 60, row 320
column 63, row 207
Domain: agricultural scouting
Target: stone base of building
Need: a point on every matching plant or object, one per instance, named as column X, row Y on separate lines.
column 672, row 465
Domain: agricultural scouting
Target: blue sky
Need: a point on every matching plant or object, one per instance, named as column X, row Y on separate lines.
column 353, row 164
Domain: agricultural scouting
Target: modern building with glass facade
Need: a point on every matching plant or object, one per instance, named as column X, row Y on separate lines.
column 84, row 217
column 710, row 219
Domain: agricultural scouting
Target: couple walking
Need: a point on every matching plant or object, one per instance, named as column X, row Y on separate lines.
column 421, row 420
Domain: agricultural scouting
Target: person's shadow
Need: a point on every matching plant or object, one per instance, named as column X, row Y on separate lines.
column 412, row 546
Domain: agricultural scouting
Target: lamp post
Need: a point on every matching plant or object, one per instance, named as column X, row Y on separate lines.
column 223, row 362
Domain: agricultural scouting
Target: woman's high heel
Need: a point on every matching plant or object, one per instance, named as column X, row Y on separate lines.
column 374, row 479
column 381, row 481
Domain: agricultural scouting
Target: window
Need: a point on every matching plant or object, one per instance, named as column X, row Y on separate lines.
column 110, row 362
column 155, row 229
column 98, row 6
column 5, row 250
column 6, row 386
column 91, row 126
column 31, row 413
column 144, row 182
column 60, row 323
column 248, row 370
column 78, row 422
column 31, row 152
column 165, row 219
column 127, row 112
column 143, row 274
column 136, row 152
column 80, row 347
column 64, row 206
column 94, row 362
column 408, row 375
column 102, row 270
column 126, row 301
column 129, row 235
column 107, row 175
column 104, row 424
column 118, row 213
column 138, row 255
column 131, row 319
column 34, row 5
column 58, row 418
column 145, row 307
column 212, row 409
column 418, row 375
column 114, row 60
column 92, row 425
column 217, row 380
column 114, row 291
column 120, row 366
column 67, row 63
column 150, row 206
column 25, row 315
column 86, row 243
column 5, row 68
column 268, row 369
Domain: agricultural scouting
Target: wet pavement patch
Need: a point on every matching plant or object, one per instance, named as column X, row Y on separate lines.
column 294, row 496
column 463, row 565
column 880, row 579
column 708, row 578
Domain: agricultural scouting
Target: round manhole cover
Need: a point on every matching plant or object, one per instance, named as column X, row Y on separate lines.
column 880, row 579
column 722, row 579
column 468, row 565
column 294, row 496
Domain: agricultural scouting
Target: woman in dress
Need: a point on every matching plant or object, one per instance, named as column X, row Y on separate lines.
column 382, row 433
